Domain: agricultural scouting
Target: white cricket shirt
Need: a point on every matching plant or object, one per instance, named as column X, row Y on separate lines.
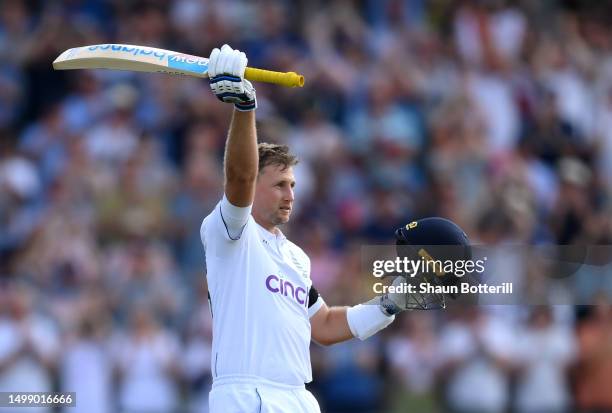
column 259, row 286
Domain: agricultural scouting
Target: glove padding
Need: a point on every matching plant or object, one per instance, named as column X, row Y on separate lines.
column 393, row 303
column 226, row 68
column 402, row 300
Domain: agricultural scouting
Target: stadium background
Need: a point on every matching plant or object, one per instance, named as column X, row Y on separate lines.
column 496, row 114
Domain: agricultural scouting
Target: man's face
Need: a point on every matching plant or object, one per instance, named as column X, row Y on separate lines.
column 274, row 196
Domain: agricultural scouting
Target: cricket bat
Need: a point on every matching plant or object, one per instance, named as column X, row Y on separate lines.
column 150, row 59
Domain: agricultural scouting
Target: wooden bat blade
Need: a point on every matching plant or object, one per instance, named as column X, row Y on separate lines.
column 134, row 58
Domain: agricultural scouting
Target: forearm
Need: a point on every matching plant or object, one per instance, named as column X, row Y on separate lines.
column 241, row 159
column 337, row 324
column 331, row 325
column 335, row 327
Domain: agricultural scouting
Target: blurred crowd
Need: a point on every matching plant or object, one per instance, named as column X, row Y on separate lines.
column 496, row 114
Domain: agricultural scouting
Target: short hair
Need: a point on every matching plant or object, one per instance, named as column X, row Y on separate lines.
column 274, row 154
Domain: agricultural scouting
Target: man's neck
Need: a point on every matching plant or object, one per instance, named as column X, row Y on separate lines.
column 271, row 228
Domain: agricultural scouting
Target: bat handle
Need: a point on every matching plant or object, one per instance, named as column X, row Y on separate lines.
column 289, row 79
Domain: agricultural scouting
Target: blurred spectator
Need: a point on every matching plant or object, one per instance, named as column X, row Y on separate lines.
column 29, row 346
column 201, row 178
column 196, row 357
column 43, row 141
column 348, row 378
column 604, row 131
column 383, row 121
column 20, row 185
column 129, row 209
column 573, row 203
column 414, row 359
column 86, row 104
column 147, row 362
column 143, row 272
column 86, row 366
column 115, row 139
column 476, row 355
column 489, row 34
column 594, row 365
column 544, row 353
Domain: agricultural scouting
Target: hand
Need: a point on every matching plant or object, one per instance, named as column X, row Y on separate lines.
column 393, row 303
column 226, row 72
column 402, row 299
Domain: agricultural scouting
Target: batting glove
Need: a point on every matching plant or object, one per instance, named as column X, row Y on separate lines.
column 226, row 73
column 402, row 298
column 393, row 303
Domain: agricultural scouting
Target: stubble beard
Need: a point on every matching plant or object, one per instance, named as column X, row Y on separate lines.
column 277, row 219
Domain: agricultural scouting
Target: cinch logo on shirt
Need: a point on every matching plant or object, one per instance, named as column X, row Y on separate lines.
column 277, row 285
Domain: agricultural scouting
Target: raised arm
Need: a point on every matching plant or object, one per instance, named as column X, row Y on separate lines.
column 226, row 71
column 241, row 159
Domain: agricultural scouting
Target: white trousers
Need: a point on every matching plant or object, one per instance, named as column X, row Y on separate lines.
column 240, row 394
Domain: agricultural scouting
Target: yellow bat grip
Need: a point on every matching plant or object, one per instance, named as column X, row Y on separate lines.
column 289, row 79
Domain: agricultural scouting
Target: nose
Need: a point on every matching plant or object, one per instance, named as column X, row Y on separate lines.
column 289, row 195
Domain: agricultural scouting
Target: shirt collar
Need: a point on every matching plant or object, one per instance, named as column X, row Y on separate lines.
column 270, row 236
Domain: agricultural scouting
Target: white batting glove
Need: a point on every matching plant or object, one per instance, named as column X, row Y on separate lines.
column 393, row 303
column 401, row 299
column 226, row 73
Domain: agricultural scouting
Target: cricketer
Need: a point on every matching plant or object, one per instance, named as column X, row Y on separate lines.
column 265, row 309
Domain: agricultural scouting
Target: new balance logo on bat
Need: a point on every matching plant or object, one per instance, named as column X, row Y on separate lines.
column 129, row 49
column 188, row 59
